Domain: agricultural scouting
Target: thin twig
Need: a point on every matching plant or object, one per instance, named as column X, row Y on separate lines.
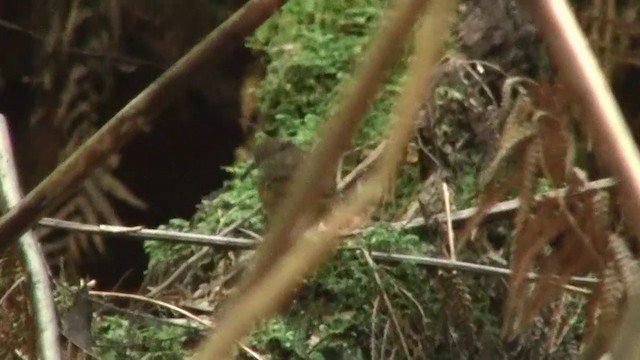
column 467, row 266
column 108, row 56
column 498, row 211
column 503, row 209
column 178, row 322
column 383, row 347
column 241, row 243
column 160, row 303
column 387, row 302
column 478, row 79
column 134, row 118
column 32, row 258
column 361, row 167
column 372, row 341
column 14, row 286
column 179, row 271
column 415, row 302
column 447, row 211
column 171, row 307
column 141, row 233
column 193, row 259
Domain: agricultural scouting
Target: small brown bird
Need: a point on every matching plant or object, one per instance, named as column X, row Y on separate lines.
column 278, row 161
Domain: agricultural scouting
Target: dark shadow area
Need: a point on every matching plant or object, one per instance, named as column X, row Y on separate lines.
column 172, row 166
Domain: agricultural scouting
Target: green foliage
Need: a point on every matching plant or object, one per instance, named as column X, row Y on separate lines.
column 164, row 255
column 312, row 48
column 467, row 188
column 119, row 338
column 406, row 187
column 384, row 237
column 332, row 315
column 235, row 202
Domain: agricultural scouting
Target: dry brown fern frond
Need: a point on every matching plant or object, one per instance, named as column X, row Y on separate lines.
column 494, row 191
column 626, row 264
column 591, row 310
column 555, row 270
column 558, row 146
column 72, row 92
column 606, row 303
column 576, row 246
column 528, row 178
column 562, row 318
column 458, row 322
column 586, row 218
column 609, row 25
column 556, row 237
column 518, row 129
column 518, row 119
column 531, row 241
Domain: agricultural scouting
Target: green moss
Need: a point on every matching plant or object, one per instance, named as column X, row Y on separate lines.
column 312, row 48
column 162, row 341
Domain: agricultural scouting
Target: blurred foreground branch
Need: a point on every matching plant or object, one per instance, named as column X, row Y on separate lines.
column 44, row 310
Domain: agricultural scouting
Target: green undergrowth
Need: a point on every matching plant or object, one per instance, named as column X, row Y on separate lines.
column 349, row 309
column 122, row 338
column 311, row 48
